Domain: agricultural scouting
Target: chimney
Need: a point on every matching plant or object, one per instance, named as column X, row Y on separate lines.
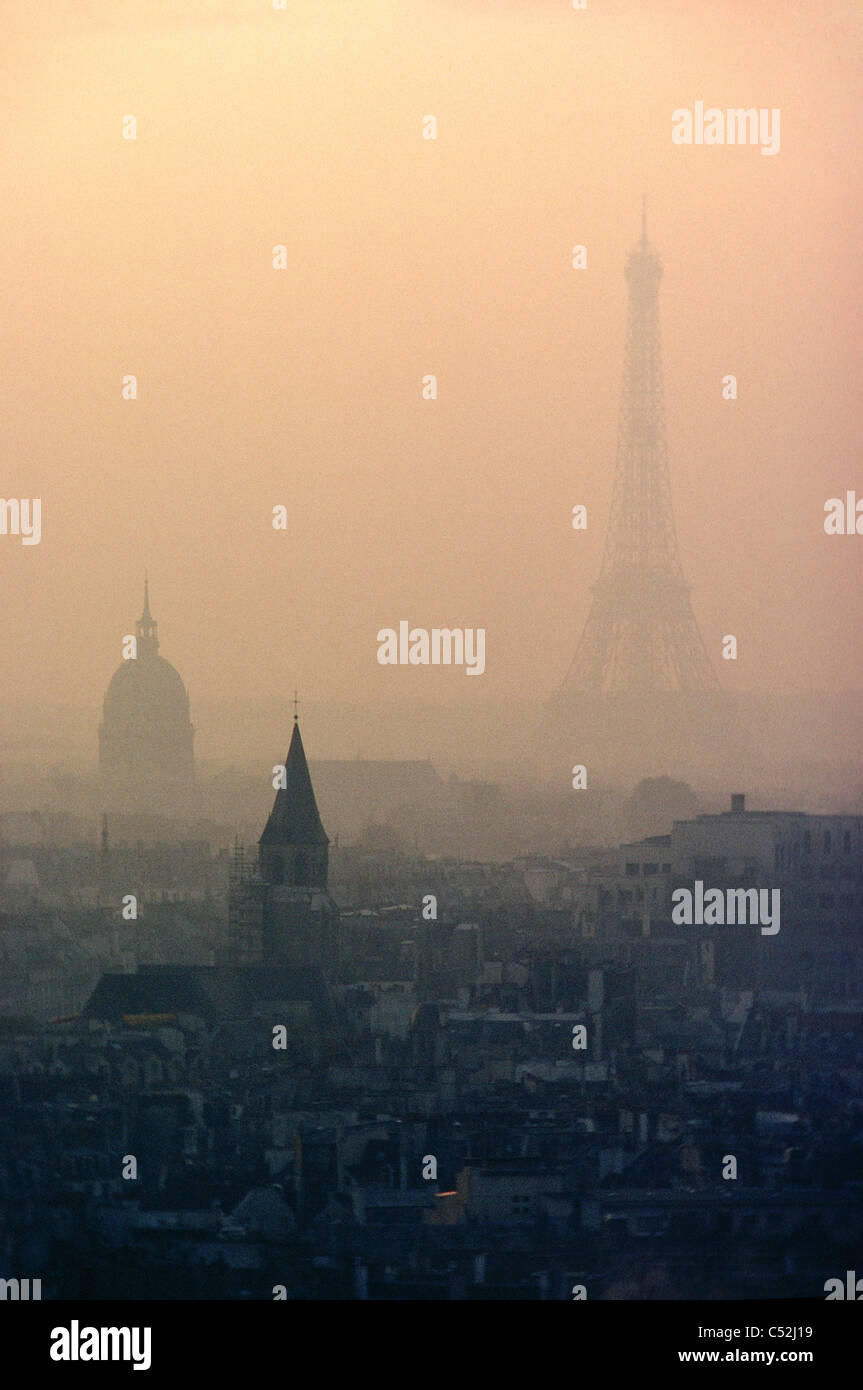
column 738, row 803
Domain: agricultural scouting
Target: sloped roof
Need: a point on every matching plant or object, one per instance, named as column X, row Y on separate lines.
column 294, row 819
column 146, row 992
column 214, row 993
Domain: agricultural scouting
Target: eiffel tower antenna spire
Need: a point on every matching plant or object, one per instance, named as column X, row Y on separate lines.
column 641, row 635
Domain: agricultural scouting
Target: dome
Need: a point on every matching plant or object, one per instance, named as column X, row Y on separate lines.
column 146, row 735
column 142, row 689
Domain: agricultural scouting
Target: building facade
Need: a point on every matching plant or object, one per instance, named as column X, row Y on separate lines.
column 816, row 863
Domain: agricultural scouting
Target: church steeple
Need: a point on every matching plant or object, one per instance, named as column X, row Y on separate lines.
column 146, row 628
column 294, row 846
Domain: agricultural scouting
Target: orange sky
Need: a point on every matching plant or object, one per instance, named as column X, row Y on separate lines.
column 407, row 256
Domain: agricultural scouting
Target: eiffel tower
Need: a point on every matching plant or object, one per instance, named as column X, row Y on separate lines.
column 641, row 636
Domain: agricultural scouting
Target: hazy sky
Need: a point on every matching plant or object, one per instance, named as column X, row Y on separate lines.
column 406, row 256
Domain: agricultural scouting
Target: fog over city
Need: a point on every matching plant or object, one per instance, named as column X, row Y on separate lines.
column 431, row 741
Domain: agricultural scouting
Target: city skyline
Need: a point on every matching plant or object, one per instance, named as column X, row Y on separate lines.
column 458, row 400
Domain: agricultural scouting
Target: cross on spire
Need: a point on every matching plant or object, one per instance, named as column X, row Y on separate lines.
column 296, row 703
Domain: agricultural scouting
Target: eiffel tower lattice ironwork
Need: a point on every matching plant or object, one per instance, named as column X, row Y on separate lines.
column 641, row 634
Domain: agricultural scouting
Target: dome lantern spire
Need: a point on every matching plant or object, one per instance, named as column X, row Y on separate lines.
column 146, row 628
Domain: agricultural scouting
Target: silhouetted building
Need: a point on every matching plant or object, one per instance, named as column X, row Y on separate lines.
column 814, row 861
column 641, row 634
column 157, row 995
column 280, row 909
column 641, row 681
column 146, row 735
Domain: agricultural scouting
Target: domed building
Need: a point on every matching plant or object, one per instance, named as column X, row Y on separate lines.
column 146, row 735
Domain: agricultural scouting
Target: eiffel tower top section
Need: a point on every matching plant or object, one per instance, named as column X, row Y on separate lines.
column 641, row 534
column 644, row 266
column 641, row 634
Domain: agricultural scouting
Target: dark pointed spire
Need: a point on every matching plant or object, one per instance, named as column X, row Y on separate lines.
column 146, row 628
column 294, row 819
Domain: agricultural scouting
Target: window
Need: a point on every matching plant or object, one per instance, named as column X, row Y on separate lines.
column 807, row 841
column 632, row 870
column 828, row 842
column 846, row 842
